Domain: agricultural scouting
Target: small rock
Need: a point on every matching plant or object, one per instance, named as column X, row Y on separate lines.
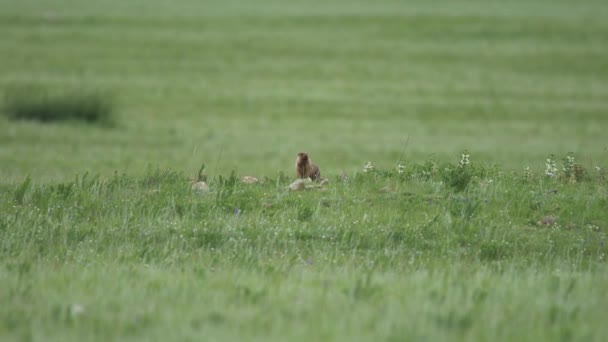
column 200, row 186
column 387, row 189
column 249, row 179
column 547, row 221
column 299, row 184
column 307, row 183
column 76, row 310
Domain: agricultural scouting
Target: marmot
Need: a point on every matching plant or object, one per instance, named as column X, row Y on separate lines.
column 305, row 168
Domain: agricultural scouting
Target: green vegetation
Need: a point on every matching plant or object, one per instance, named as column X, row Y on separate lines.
column 345, row 80
column 384, row 254
column 102, row 236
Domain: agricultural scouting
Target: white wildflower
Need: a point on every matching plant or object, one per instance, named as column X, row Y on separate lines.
column 528, row 172
column 550, row 167
column 569, row 163
column 464, row 159
column 401, row 168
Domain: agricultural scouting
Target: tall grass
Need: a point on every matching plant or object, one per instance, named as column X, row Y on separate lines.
column 397, row 255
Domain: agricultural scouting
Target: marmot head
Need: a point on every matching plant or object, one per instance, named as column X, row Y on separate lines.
column 302, row 158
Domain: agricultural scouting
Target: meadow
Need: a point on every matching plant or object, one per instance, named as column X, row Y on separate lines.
column 102, row 236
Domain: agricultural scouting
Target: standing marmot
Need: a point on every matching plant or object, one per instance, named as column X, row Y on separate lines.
column 305, row 168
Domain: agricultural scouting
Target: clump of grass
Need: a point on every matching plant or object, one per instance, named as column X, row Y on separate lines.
column 573, row 172
column 459, row 177
column 41, row 104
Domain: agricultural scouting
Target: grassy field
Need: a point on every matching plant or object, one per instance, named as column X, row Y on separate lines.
column 103, row 238
column 381, row 255
column 346, row 81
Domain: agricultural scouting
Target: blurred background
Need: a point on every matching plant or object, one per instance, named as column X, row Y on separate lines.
column 114, row 85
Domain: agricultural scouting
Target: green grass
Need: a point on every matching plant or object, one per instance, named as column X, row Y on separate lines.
column 381, row 255
column 128, row 251
column 346, row 81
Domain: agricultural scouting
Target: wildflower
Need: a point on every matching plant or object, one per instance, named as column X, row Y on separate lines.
column 401, row 168
column 569, row 163
column 527, row 172
column 573, row 171
column 464, row 158
column 344, row 176
column 551, row 166
column 368, row 167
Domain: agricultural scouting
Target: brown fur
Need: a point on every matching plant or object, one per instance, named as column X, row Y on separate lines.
column 305, row 168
